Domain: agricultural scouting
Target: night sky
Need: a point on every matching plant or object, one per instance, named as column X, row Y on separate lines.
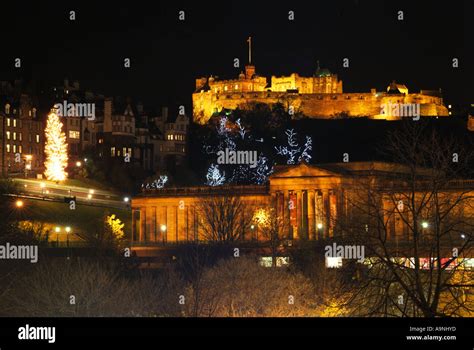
column 167, row 54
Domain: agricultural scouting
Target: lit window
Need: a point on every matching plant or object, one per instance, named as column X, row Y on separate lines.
column 14, row 136
column 73, row 134
column 124, row 150
column 20, row 149
column 8, row 121
column 14, row 123
column 101, row 140
column 37, row 138
column 236, row 87
column 112, row 151
column 20, row 136
column 8, row 148
column 14, row 148
column 8, row 135
column 333, row 262
column 225, row 88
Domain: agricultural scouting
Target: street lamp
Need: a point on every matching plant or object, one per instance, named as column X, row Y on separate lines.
column 163, row 231
column 126, row 199
column 68, row 230
column 19, row 203
column 78, row 164
column 425, row 224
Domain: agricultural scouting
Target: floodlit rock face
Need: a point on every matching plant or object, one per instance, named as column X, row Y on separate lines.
column 319, row 96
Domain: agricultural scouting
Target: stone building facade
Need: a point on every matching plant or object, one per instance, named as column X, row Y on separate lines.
column 308, row 199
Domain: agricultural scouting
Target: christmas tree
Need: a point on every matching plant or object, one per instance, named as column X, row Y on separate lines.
column 55, row 149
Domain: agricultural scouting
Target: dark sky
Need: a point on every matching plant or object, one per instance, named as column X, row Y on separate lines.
column 167, row 54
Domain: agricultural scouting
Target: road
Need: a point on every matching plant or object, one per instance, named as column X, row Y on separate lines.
column 84, row 195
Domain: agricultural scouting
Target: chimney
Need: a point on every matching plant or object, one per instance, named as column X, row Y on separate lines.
column 164, row 113
column 108, row 115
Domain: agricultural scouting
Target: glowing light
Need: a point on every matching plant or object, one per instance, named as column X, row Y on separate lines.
column 28, row 157
column 126, row 199
column 163, row 228
column 424, row 224
column 55, row 149
column 319, row 226
column 89, row 196
column 42, row 185
column 262, row 217
column 91, row 191
column 78, row 164
column 57, row 229
column 19, row 204
column 68, row 229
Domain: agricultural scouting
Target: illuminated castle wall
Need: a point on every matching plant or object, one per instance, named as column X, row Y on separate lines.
column 320, row 96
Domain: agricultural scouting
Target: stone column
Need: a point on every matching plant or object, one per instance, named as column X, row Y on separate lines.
column 142, row 224
column 286, row 213
column 326, row 214
column 311, row 215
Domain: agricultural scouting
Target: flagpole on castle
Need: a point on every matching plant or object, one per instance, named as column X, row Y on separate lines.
column 249, row 40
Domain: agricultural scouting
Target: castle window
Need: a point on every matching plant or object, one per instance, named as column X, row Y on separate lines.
column 14, row 123
column 8, row 148
column 37, row 138
column 236, row 87
column 225, row 88
column 112, row 151
column 8, row 135
column 8, row 121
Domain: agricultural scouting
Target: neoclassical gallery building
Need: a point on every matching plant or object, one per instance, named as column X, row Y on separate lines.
column 307, row 198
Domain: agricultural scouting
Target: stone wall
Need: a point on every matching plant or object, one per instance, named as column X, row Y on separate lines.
column 315, row 105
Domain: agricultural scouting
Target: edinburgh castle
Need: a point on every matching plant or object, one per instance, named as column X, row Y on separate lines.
column 318, row 96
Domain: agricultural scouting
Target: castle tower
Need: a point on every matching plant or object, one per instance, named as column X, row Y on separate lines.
column 249, row 71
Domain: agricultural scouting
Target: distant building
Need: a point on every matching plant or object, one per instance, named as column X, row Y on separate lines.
column 22, row 135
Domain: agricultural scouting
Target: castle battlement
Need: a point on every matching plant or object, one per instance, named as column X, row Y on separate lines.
column 318, row 96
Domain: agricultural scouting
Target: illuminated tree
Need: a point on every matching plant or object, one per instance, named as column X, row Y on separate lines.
column 115, row 226
column 55, row 149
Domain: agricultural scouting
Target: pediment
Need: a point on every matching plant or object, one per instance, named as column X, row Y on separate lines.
column 301, row 170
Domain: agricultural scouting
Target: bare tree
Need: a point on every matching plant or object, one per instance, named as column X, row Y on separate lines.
column 224, row 218
column 240, row 287
column 416, row 225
